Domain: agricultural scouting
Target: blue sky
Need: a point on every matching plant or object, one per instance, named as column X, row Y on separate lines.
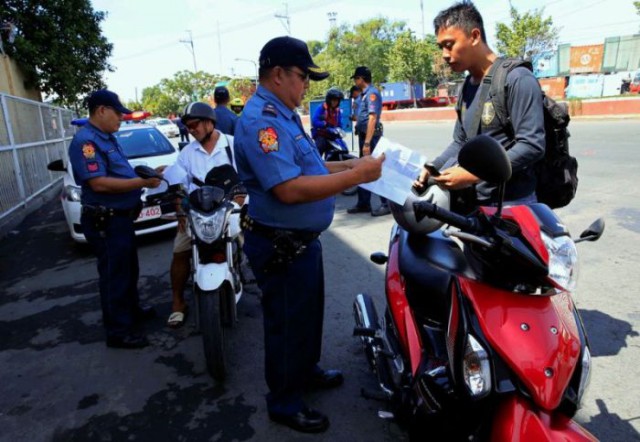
column 146, row 33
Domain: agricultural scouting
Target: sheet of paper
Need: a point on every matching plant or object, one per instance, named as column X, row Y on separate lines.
column 399, row 169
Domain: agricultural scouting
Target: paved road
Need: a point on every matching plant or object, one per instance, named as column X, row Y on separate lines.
column 59, row 382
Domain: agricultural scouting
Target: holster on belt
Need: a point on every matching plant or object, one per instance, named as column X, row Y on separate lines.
column 287, row 244
column 101, row 214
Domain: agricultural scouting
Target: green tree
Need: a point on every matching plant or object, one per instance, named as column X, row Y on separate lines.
column 59, row 46
column 411, row 60
column 637, row 5
column 528, row 35
column 366, row 43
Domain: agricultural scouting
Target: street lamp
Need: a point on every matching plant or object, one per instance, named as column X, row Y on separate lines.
column 254, row 64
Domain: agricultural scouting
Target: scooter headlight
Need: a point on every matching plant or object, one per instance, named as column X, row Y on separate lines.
column 476, row 368
column 585, row 377
column 563, row 261
column 72, row 193
column 208, row 227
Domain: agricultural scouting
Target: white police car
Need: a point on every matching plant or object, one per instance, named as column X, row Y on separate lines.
column 143, row 145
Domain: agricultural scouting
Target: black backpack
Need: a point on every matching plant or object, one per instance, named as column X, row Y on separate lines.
column 557, row 172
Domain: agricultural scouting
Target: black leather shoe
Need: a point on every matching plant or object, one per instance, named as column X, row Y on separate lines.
column 381, row 211
column 359, row 209
column 326, row 379
column 144, row 312
column 130, row 341
column 305, row 421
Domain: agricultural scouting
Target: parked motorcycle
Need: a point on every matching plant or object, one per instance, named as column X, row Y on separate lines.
column 337, row 150
column 214, row 222
column 480, row 338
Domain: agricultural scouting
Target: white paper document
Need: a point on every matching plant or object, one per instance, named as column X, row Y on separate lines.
column 399, row 170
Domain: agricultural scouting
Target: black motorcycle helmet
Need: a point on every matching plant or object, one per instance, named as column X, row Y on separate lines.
column 334, row 94
column 198, row 110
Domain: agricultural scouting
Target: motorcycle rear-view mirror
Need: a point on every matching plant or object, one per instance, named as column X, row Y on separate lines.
column 146, row 172
column 484, row 157
column 56, row 166
column 593, row 232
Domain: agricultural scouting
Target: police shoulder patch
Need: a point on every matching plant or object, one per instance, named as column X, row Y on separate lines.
column 92, row 166
column 269, row 109
column 89, row 150
column 268, row 139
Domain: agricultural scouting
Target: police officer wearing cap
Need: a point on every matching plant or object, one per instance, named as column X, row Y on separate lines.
column 369, row 130
column 225, row 118
column 291, row 193
column 110, row 203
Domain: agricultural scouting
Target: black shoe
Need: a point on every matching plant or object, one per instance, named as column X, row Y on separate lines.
column 144, row 312
column 359, row 209
column 129, row 341
column 326, row 379
column 305, row 421
column 381, row 211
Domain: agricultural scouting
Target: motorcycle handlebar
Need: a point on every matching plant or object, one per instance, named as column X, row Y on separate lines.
column 425, row 208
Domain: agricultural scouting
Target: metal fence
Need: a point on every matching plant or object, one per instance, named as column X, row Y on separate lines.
column 31, row 135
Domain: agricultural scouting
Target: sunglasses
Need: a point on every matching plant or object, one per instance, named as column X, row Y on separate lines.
column 304, row 77
column 193, row 125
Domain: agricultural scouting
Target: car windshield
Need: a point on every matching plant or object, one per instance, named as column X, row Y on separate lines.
column 147, row 142
column 162, row 122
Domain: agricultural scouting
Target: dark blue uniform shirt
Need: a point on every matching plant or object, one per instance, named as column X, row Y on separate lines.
column 93, row 154
column 271, row 148
column 370, row 103
column 225, row 120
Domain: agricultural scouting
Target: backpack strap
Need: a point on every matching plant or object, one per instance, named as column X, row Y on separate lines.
column 229, row 151
column 485, row 87
column 499, row 87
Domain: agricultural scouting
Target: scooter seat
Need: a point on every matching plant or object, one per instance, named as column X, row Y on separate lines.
column 428, row 263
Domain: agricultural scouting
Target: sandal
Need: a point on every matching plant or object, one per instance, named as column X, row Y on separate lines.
column 176, row 319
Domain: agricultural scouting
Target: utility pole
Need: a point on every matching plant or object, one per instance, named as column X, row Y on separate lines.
column 422, row 16
column 332, row 19
column 193, row 52
column 286, row 22
column 219, row 48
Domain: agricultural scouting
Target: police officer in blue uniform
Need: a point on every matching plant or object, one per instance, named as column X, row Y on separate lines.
column 369, row 130
column 225, row 118
column 110, row 204
column 291, row 193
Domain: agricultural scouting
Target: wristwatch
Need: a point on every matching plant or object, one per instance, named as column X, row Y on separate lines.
column 366, row 144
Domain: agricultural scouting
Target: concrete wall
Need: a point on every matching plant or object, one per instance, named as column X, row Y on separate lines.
column 12, row 80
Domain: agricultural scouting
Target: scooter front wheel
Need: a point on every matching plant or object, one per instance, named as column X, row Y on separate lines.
column 210, row 314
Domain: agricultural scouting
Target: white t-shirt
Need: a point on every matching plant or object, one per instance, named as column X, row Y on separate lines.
column 196, row 162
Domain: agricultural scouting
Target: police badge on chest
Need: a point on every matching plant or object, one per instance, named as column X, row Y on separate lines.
column 488, row 113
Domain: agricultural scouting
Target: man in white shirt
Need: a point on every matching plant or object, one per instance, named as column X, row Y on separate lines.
column 210, row 148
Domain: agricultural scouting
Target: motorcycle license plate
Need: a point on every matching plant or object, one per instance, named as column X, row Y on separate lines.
column 151, row 212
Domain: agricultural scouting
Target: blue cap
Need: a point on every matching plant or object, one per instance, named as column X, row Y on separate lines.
column 289, row 51
column 104, row 97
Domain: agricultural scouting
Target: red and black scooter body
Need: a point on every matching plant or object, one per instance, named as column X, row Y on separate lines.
column 439, row 298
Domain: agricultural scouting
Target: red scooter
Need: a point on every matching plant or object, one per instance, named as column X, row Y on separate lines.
column 480, row 339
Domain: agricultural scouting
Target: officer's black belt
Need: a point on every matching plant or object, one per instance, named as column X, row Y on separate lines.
column 109, row 212
column 249, row 224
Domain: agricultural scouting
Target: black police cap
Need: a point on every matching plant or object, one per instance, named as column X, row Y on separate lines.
column 362, row 71
column 289, row 51
column 104, row 97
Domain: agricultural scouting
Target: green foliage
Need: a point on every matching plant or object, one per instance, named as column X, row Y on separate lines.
column 528, row 35
column 410, row 59
column 59, row 46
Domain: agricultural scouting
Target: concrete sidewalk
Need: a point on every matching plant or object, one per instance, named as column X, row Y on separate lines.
column 623, row 107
